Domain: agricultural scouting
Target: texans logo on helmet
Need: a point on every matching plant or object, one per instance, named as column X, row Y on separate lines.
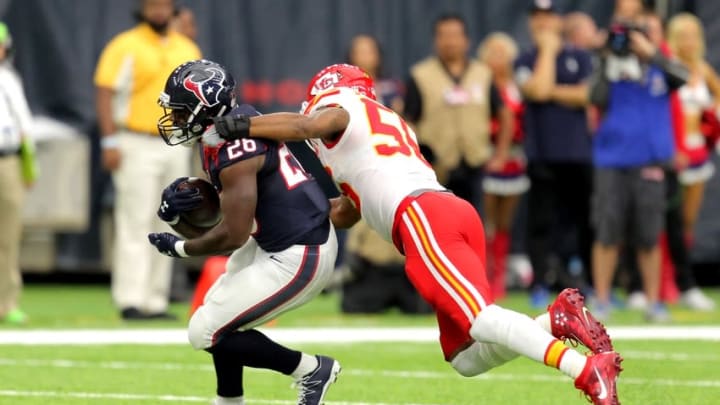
column 207, row 88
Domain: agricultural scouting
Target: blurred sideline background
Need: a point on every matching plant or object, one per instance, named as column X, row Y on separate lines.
column 272, row 48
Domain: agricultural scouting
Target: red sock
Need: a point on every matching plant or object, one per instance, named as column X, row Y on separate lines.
column 669, row 291
column 490, row 261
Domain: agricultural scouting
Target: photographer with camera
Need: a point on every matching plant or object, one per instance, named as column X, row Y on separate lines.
column 632, row 147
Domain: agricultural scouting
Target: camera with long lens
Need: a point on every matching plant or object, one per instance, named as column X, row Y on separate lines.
column 619, row 37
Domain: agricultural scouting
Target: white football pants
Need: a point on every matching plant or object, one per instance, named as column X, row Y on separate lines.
column 258, row 286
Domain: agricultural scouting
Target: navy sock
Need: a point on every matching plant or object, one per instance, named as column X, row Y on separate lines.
column 252, row 349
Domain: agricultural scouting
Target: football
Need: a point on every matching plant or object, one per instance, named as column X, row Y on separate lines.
column 196, row 222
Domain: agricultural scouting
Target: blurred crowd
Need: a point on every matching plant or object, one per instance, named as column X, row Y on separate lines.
column 606, row 135
column 586, row 153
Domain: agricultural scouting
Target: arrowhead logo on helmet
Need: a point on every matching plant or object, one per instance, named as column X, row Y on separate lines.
column 341, row 75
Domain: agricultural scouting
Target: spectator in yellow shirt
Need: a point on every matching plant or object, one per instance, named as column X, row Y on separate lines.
column 129, row 76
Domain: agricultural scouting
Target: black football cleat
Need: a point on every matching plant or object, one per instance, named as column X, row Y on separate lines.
column 313, row 386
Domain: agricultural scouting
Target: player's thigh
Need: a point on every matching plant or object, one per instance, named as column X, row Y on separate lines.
column 238, row 260
column 458, row 296
column 273, row 283
column 243, row 256
column 316, row 280
column 452, row 239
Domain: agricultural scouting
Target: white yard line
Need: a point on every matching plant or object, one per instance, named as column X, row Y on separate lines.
column 314, row 335
column 103, row 396
column 663, row 356
column 401, row 374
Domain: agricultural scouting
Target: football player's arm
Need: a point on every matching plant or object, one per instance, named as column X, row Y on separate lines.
column 237, row 203
column 343, row 213
column 327, row 123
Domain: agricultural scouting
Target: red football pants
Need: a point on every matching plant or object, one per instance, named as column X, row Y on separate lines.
column 444, row 244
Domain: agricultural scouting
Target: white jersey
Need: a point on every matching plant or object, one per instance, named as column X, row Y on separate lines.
column 376, row 162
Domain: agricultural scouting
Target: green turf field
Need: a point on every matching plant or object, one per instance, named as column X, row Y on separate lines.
column 63, row 306
column 656, row 372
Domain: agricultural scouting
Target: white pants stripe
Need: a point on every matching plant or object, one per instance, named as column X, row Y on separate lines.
column 434, row 271
column 443, row 258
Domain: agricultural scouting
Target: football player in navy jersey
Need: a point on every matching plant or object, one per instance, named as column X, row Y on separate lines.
column 276, row 223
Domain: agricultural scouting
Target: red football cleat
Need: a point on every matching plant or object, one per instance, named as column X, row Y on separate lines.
column 599, row 377
column 571, row 320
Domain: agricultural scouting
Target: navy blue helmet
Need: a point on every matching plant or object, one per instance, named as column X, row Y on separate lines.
column 195, row 92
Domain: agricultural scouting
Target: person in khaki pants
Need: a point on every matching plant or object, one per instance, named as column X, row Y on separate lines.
column 17, row 170
column 129, row 77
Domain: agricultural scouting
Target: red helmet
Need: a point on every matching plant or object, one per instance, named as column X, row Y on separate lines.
column 341, row 75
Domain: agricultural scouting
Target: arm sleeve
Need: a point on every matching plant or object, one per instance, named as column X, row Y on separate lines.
column 496, row 101
column 110, row 64
column 413, row 101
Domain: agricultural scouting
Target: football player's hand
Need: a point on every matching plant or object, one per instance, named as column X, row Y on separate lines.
column 168, row 244
column 174, row 202
column 231, row 127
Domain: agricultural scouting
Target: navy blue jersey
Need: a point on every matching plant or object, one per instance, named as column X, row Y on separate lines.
column 291, row 208
column 555, row 132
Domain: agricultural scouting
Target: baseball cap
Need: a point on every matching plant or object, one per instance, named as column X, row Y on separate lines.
column 543, row 6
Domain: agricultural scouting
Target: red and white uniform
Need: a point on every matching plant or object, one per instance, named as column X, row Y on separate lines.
column 511, row 180
column 376, row 163
column 695, row 99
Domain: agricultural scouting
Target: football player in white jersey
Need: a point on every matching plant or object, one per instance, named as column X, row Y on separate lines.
column 373, row 156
